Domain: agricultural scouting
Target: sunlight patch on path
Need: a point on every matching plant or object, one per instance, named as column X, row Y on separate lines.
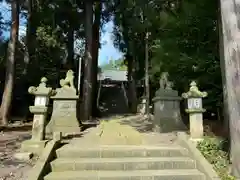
column 113, row 133
column 120, row 131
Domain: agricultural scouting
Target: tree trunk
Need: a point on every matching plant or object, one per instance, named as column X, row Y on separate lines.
column 132, row 84
column 88, row 64
column 29, row 55
column 30, row 35
column 70, row 47
column 96, row 45
column 147, row 93
column 231, row 75
column 10, row 65
column 221, row 56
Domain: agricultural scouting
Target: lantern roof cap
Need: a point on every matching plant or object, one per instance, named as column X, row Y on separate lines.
column 41, row 89
column 194, row 92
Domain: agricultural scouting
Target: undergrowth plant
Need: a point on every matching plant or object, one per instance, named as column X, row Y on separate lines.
column 214, row 149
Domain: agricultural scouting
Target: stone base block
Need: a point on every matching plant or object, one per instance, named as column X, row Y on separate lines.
column 24, row 156
column 34, row 146
column 166, row 125
column 196, row 139
column 65, row 131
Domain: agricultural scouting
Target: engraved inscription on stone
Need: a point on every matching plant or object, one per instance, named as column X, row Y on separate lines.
column 40, row 101
column 65, row 109
column 198, row 103
column 194, row 103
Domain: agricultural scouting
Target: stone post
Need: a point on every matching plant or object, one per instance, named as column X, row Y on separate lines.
column 42, row 94
column 195, row 111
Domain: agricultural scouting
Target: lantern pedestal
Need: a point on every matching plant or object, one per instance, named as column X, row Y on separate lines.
column 37, row 143
column 196, row 123
column 38, row 131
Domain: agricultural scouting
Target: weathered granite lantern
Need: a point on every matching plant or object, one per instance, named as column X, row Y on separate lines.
column 195, row 110
column 42, row 94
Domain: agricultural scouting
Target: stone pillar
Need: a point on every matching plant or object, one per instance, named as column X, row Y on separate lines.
column 37, row 142
column 195, row 111
column 167, row 116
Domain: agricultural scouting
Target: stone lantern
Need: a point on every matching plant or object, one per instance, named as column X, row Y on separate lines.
column 42, row 95
column 195, row 110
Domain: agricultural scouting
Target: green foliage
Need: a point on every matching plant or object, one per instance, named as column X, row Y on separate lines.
column 213, row 150
column 55, row 31
column 190, row 45
column 57, row 19
column 183, row 42
column 47, row 36
column 115, row 65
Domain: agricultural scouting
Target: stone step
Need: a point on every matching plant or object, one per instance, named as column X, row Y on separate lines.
column 189, row 174
column 115, row 164
column 66, row 130
column 70, row 151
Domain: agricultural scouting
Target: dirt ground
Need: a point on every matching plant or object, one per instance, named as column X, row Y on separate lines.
column 10, row 168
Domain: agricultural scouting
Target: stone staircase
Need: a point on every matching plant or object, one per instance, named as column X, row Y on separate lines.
column 113, row 102
column 123, row 162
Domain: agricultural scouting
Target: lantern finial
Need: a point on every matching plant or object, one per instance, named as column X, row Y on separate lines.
column 193, row 83
column 194, row 92
column 44, row 80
